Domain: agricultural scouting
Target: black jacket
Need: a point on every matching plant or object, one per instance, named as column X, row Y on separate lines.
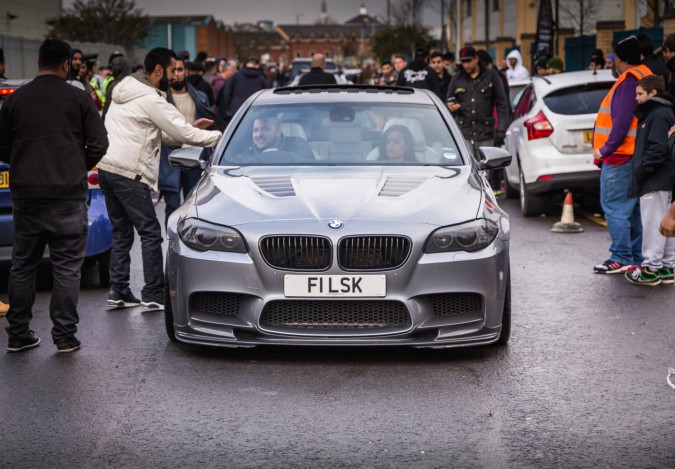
column 444, row 83
column 202, row 85
column 316, row 76
column 652, row 164
column 50, row 134
column 419, row 75
column 657, row 66
column 238, row 89
column 670, row 83
column 478, row 98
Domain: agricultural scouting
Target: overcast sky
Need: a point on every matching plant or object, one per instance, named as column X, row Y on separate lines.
column 279, row 11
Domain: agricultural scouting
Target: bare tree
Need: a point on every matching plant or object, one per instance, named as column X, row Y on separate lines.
column 111, row 21
column 656, row 10
column 579, row 14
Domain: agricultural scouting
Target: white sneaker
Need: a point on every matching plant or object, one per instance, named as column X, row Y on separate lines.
column 152, row 306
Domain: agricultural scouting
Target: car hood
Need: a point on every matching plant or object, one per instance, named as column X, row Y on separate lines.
column 431, row 194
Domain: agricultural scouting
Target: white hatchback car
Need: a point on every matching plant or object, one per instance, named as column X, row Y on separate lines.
column 551, row 137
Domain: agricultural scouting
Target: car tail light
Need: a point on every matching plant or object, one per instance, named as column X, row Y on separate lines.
column 92, row 179
column 538, row 127
column 7, row 91
column 545, row 177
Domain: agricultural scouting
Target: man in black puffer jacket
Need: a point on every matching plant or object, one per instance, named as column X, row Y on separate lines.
column 653, row 180
column 418, row 74
column 239, row 88
column 474, row 93
column 317, row 75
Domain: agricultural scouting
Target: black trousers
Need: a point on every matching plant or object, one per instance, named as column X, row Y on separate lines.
column 130, row 206
column 61, row 225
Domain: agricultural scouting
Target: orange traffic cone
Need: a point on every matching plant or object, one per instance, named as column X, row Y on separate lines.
column 567, row 223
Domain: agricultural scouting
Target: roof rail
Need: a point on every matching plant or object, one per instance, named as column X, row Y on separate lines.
column 543, row 78
column 348, row 88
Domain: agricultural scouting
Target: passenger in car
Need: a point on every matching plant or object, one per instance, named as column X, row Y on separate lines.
column 267, row 137
column 397, row 145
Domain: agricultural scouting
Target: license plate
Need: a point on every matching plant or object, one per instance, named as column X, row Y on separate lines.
column 4, row 179
column 306, row 286
column 588, row 136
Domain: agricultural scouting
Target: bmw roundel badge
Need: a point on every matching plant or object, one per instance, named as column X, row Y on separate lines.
column 335, row 224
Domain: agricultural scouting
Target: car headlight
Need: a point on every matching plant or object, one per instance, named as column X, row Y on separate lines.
column 472, row 236
column 203, row 236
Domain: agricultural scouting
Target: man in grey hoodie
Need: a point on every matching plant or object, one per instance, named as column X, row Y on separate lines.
column 120, row 69
column 139, row 120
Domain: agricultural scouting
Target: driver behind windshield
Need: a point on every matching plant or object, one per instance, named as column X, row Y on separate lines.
column 267, row 137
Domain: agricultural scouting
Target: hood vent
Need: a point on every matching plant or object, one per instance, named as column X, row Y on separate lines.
column 398, row 185
column 278, row 186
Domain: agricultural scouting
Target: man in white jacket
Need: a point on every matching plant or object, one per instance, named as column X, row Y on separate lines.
column 138, row 122
column 515, row 69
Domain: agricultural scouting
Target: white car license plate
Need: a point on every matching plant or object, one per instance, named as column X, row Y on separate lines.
column 335, row 285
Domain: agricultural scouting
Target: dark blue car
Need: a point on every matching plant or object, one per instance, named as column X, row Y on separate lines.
column 99, row 239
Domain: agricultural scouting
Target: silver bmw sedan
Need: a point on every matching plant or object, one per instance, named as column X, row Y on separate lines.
column 340, row 215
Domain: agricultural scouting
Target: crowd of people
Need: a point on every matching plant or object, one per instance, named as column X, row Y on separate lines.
column 126, row 119
column 634, row 146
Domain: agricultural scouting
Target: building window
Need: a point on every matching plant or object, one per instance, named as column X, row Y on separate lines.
column 495, row 5
column 468, row 8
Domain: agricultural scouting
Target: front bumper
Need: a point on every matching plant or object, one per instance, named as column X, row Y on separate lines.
column 256, row 285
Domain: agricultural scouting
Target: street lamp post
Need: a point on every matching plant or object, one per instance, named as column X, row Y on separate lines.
column 297, row 34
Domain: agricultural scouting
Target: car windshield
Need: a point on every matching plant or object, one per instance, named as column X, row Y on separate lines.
column 342, row 133
column 582, row 99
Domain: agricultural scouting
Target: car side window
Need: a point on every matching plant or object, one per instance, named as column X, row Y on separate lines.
column 524, row 105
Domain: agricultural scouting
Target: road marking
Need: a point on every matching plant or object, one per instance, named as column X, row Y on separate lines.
column 594, row 218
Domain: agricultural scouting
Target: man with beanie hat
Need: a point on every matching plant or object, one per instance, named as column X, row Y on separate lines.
column 541, row 66
column 555, row 66
column 655, row 63
column 613, row 147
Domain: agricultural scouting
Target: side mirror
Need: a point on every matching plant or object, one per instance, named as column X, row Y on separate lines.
column 187, row 158
column 493, row 158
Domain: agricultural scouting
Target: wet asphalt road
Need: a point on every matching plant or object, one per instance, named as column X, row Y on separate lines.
column 581, row 384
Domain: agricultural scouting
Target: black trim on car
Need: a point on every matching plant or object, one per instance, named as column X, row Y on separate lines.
column 348, row 88
column 584, row 179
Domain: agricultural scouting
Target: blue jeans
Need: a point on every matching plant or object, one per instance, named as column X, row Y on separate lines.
column 130, row 206
column 622, row 214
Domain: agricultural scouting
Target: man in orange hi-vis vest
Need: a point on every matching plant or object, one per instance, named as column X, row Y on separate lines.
column 613, row 145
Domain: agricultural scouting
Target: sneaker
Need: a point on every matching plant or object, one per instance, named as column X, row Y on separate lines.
column 69, row 346
column 120, row 300
column 612, row 267
column 666, row 274
column 152, row 305
column 643, row 276
column 23, row 344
